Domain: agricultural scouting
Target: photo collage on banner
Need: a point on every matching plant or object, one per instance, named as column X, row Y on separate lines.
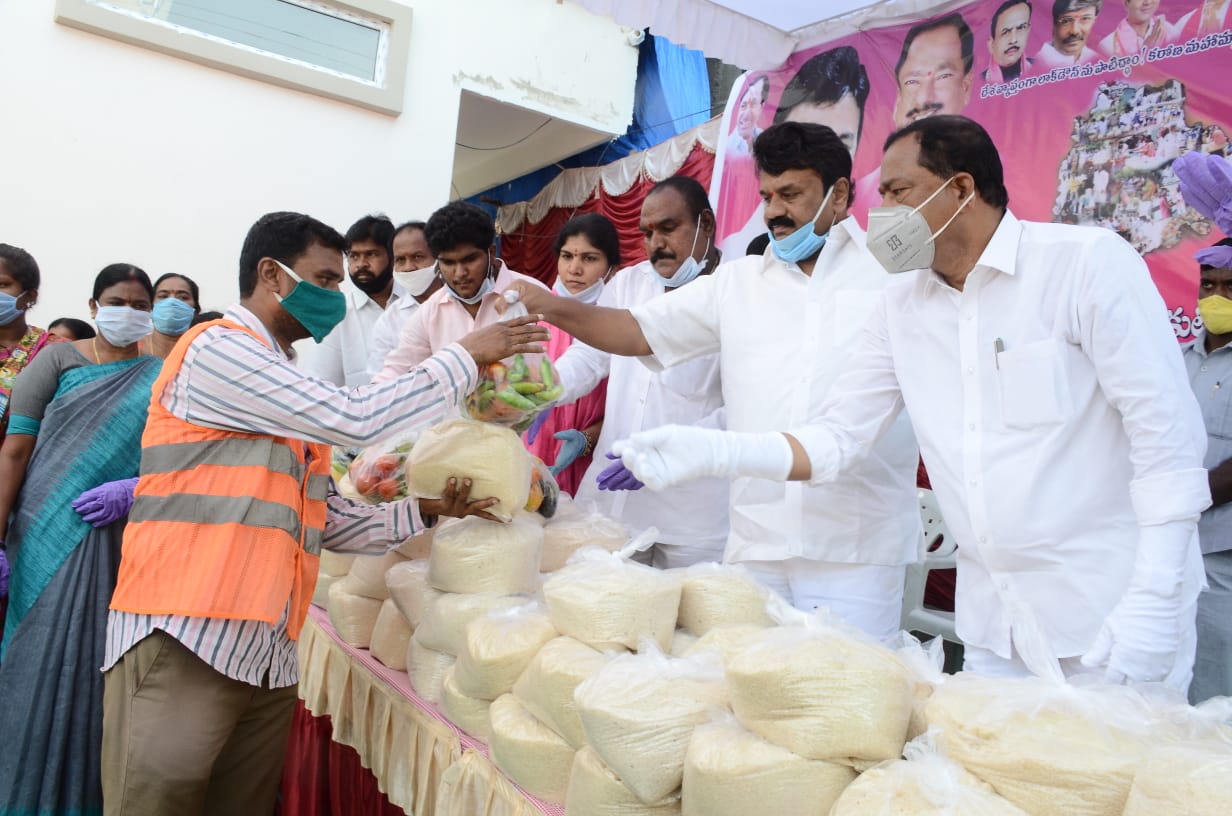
column 1088, row 109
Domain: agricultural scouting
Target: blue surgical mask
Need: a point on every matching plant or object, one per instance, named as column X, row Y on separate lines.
column 690, row 268
column 8, row 309
column 316, row 308
column 588, row 295
column 484, row 288
column 172, row 316
column 804, row 242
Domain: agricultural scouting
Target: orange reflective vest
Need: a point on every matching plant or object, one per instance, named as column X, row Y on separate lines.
column 224, row 524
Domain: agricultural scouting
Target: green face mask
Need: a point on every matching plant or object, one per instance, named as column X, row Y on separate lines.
column 316, row 308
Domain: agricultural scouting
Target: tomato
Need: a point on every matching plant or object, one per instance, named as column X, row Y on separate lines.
column 387, row 489
column 364, row 482
column 386, row 466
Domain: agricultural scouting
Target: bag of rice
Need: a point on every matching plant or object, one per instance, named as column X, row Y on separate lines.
column 353, row 616
column 320, row 593
column 468, row 713
column 821, row 690
column 726, row 640
column 682, row 641
column 368, row 574
column 923, row 784
column 595, row 791
column 427, row 668
column 607, row 601
column 492, row 457
column 445, row 619
column 729, row 771
column 533, row 755
column 1192, row 778
column 410, row 591
column 639, row 712
column 576, row 526
column 336, row 564
column 721, row 595
column 546, row 687
column 474, row 555
column 391, row 637
column 498, row 648
column 1048, row 747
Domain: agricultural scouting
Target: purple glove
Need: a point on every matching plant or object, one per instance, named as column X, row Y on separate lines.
column 617, row 477
column 4, row 574
column 1206, row 185
column 99, row 506
column 536, row 425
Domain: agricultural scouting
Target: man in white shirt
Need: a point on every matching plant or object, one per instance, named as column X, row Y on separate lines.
column 678, row 227
column 342, row 357
column 1047, row 391
column 781, row 324
column 415, row 273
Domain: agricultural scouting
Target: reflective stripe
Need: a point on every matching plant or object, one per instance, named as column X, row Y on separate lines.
column 318, row 486
column 196, row 508
column 246, row 452
column 312, row 541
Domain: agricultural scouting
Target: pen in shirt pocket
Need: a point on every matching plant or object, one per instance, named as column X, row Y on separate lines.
column 998, row 346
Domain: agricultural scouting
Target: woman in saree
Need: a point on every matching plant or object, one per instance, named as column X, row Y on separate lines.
column 77, row 415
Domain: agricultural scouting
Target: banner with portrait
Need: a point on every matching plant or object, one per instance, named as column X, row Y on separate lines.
column 1088, row 102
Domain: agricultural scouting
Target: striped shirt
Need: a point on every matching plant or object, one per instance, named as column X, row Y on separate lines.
column 231, row 381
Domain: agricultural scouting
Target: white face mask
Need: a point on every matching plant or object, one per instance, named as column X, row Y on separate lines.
column 588, row 295
column 899, row 236
column 121, row 325
column 417, row 281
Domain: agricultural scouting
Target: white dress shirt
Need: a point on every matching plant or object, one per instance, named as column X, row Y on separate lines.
column 782, row 338
column 1054, row 415
column 638, row 399
column 387, row 330
column 342, row 357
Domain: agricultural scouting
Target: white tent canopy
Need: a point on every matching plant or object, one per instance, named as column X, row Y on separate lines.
column 758, row 34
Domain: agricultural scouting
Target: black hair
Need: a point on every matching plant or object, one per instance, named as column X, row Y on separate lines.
column 1221, row 242
column 118, row 273
column 690, row 189
column 758, row 245
column 80, row 329
column 595, row 228
column 965, row 38
column 21, row 266
column 1059, row 7
column 204, row 317
column 283, row 236
column 459, row 223
column 824, row 79
column 804, row 146
column 410, row 225
column 952, row 144
column 1004, row 7
column 192, row 286
column 375, row 228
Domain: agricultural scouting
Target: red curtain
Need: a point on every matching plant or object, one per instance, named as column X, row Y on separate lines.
column 529, row 248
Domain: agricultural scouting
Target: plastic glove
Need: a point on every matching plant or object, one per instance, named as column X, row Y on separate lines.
column 617, row 477
column 99, row 506
column 1138, row 641
column 1206, row 185
column 573, row 443
column 676, row 453
column 536, row 425
column 4, row 575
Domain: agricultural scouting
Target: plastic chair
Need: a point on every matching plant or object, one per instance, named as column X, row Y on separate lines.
column 917, row 618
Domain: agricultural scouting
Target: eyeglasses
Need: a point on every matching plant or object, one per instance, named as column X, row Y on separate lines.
column 366, row 255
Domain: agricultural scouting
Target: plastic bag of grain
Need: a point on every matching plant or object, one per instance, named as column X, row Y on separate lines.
column 445, row 619
column 352, row 615
column 1049, row 747
column 594, row 790
column 391, row 637
column 498, row 648
column 427, row 668
column 368, row 574
column 1190, row 778
column 474, row 555
column 546, row 687
column 926, row 662
column 320, row 592
column 410, row 591
column 730, row 771
column 607, row 601
column 726, row 640
column 533, row 755
column 924, row 784
column 721, row 595
column 822, row 690
column 336, row 564
column 682, row 641
column 468, row 713
column 639, row 712
column 492, row 457
column 577, row 525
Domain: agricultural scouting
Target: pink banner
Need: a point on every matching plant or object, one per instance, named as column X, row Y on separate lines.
column 1088, row 110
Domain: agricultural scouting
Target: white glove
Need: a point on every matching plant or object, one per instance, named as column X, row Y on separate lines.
column 1139, row 639
column 665, row 456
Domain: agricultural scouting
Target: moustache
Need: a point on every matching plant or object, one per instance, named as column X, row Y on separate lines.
column 926, row 109
column 1074, row 39
column 1013, row 49
column 662, row 255
column 781, row 221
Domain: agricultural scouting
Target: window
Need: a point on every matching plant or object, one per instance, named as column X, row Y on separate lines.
column 355, row 51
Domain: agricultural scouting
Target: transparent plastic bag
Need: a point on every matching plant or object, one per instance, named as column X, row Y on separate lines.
column 721, row 595
column 531, row 754
column 577, row 525
column 546, row 687
column 1193, row 778
column 474, row 555
column 493, row 458
column 498, row 648
column 378, row 473
column 544, row 491
column 594, row 790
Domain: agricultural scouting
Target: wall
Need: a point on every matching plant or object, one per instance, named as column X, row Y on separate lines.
column 117, row 153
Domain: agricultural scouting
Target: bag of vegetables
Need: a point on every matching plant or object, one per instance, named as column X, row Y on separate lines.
column 514, row 393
